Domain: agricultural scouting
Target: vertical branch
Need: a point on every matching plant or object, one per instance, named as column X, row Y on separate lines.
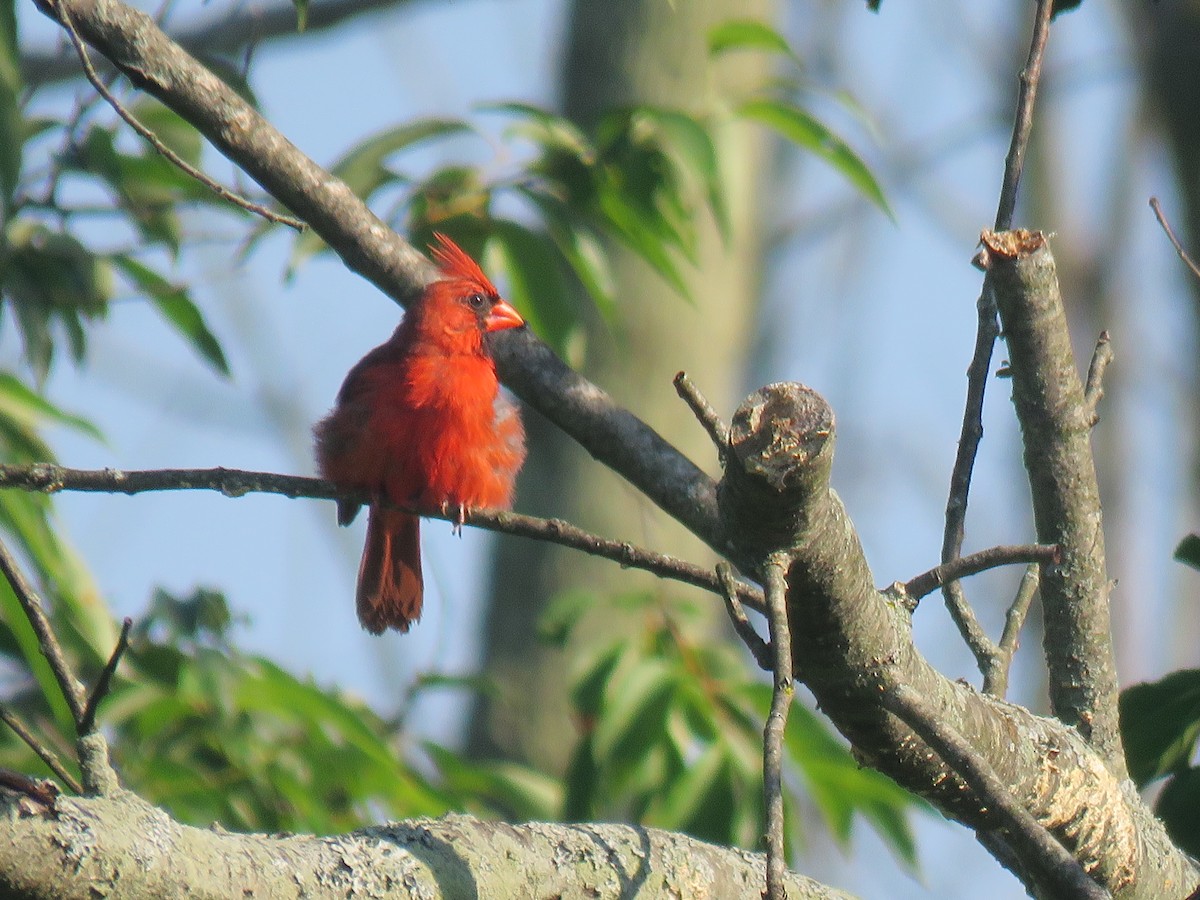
column 1030, row 76
column 71, row 689
column 775, row 585
column 1055, row 421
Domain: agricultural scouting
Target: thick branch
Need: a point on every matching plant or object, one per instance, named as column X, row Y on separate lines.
column 1055, row 426
column 135, row 45
column 852, row 644
column 1057, row 869
column 121, row 846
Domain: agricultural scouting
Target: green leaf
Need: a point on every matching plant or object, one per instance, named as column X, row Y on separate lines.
column 51, row 276
column 1188, row 551
column 635, row 710
column 803, row 129
column 689, row 140
column 535, row 281
column 364, row 168
column 558, row 621
column 1160, row 723
column 643, row 236
column 1177, row 805
column 684, row 799
column 301, row 14
column 12, row 128
column 581, row 249
column 176, row 308
column 21, row 405
column 746, row 34
column 511, row 790
column 546, row 129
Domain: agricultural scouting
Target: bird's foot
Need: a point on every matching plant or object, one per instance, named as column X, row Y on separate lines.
column 460, row 517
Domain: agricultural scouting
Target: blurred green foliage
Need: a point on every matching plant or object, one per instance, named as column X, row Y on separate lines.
column 670, row 731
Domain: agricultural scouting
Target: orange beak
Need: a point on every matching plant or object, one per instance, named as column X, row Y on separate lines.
column 503, row 316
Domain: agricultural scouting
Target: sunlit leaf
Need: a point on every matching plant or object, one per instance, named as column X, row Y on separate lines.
column 746, row 34
column 545, row 128
column 803, row 129
column 582, row 250
column 690, row 141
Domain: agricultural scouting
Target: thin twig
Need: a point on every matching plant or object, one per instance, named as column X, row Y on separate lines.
column 1035, row 846
column 1093, row 392
column 752, row 639
column 987, row 330
column 102, row 683
column 44, row 753
column 974, row 563
column 1166, row 226
column 995, row 679
column 40, row 790
column 717, row 430
column 1031, row 75
column 32, row 605
column 775, row 583
column 236, row 482
column 171, row 156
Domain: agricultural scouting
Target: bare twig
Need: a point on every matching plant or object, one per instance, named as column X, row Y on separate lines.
column 775, row 583
column 1093, row 391
column 1175, row 242
column 236, row 482
column 995, row 677
column 170, row 155
column 717, row 430
column 102, row 683
column 974, row 563
column 1036, row 847
column 37, row 789
column 44, row 753
column 751, row 638
column 987, row 330
column 51, row 650
column 1014, row 163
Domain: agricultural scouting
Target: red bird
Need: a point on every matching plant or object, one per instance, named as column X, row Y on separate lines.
column 420, row 422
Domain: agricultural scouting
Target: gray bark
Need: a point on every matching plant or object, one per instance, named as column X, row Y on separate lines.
column 120, row 846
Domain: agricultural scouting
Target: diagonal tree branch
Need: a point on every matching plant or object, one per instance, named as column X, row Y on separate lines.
column 49, row 478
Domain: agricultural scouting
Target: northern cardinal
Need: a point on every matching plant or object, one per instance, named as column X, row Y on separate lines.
column 420, row 422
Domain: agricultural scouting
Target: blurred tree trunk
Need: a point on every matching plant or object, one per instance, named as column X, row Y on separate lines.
column 619, row 54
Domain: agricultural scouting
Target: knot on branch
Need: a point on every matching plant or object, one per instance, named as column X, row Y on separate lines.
column 780, row 456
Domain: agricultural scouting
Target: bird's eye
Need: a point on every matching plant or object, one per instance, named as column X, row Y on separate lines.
column 477, row 302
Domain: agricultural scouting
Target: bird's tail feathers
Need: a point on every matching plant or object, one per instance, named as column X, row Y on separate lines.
column 390, row 586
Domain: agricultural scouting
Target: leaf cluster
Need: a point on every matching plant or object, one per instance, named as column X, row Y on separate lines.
column 669, row 733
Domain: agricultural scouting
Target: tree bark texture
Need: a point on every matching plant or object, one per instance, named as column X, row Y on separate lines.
column 120, row 846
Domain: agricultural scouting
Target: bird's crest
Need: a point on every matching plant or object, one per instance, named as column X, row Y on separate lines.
column 455, row 263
